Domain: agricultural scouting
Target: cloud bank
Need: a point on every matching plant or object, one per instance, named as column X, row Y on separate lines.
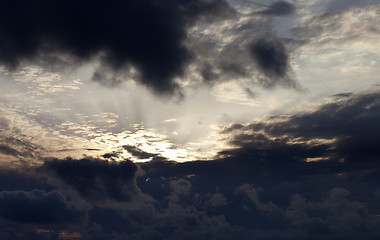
column 309, row 175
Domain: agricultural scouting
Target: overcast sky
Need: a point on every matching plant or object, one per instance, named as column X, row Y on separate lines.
column 190, row 119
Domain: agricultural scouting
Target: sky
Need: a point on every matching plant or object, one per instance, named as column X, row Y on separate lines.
column 190, row 119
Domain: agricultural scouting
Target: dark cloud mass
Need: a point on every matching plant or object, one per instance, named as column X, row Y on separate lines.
column 270, row 56
column 147, row 35
column 39, row 207
column 95, row 180
column 350, row 125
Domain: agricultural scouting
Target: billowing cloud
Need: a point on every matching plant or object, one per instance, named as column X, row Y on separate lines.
column 139, row 39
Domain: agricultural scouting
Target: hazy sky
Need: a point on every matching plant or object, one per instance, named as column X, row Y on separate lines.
column 190, row 119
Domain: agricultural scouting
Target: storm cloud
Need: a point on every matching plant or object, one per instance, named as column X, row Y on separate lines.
column 144, row 36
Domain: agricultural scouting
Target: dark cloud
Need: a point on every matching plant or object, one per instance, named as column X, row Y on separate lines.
column 20, row 180
column 258, row 147
column 39, row 207
column 235, row 197
column 349, row 124
column 208, row 72
column 270, row 56
column 211, row 72
column 110, row 155
column 136, row 152
column 342, row 95
column 95, row 180
column 280, row 202
column 279, row 8
column 143, row 35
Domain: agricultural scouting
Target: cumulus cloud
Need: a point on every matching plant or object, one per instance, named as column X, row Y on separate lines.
column 180, row 188
column 252, row 194
column 216, row 200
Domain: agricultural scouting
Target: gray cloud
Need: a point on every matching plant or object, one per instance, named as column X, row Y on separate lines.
column 348, row 23
column 279, row 8
column 254, row 52
column 216, row 200
column 271, row 58
column 319, row 24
